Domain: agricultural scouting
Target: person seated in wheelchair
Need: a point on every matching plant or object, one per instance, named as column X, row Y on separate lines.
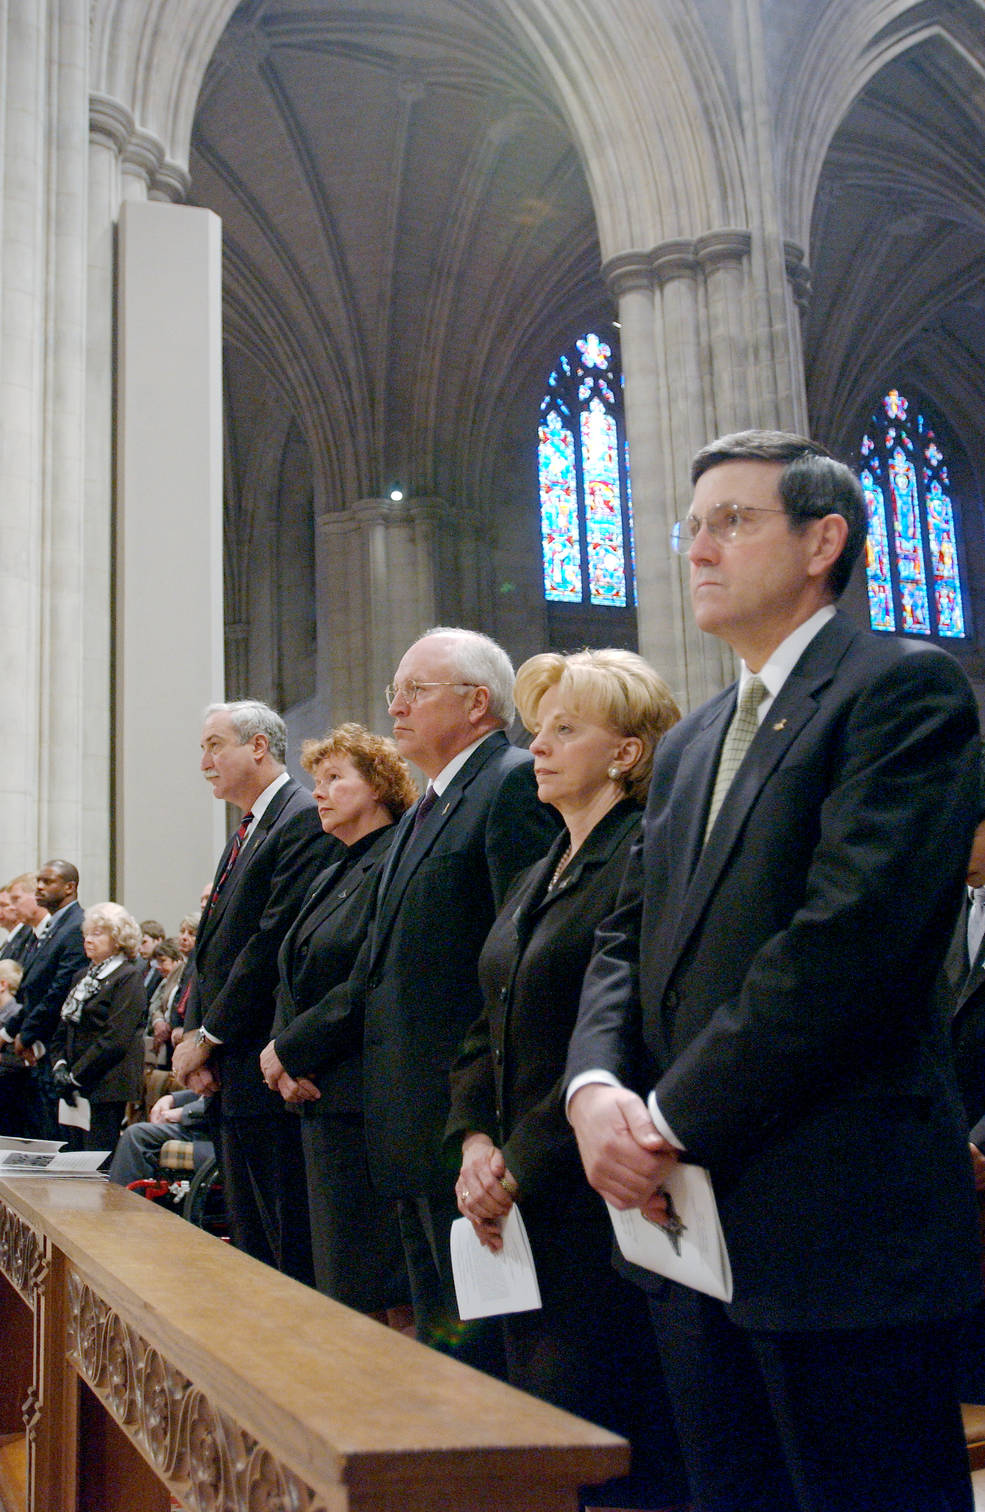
column 178, row 1115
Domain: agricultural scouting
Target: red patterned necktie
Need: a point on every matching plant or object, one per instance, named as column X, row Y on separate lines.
column 234, row 851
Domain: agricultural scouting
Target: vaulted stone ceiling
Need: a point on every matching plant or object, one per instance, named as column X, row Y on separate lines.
column 898, row 242
column 407, row 234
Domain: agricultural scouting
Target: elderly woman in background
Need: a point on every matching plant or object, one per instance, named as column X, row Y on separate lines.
column 362, row 786
column 596, row 717
column 97, row 1050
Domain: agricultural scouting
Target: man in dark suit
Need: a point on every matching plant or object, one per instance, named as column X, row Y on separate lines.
column 27, row 915
column 49, row 969
column 478, row 824
column 261, row 879
column 962, row 984
column 766, row 982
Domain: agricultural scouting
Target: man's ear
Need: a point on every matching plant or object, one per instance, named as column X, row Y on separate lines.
column 479, row 707
column 830, row 535
column 261, row 746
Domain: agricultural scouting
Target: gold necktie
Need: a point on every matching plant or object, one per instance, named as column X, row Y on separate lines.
column 738, row 739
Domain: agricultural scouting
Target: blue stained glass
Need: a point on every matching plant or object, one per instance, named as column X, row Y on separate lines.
column 944, row 561
column 632, row 532
column 909, row 547
column 587, row 549
column 594, row 352
column 882, row 615
column 603, row 516
column 912, row 569
column 559, row 513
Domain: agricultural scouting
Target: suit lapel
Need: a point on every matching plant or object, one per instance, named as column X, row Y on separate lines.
column 409, row 850
column 254, row 842
column 791, row 711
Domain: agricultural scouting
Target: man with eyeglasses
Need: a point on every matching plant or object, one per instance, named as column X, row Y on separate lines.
column 478, row 824
column 761, row 1004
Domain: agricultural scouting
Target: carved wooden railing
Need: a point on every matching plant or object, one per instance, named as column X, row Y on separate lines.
column 147, row 1360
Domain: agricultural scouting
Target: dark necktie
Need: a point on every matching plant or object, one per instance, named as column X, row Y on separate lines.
column 234, row 851
column 423, row 809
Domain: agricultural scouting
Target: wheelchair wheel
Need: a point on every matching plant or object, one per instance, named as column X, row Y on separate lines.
column 204, row 1205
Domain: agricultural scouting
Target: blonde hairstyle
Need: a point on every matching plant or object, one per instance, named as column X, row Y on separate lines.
column 190, row 924
column 617, row 688
column 376, row 760
column 121, row 926
column 27, row 880
column 11, row 973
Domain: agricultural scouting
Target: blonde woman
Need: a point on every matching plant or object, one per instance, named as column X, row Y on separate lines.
column 596, row 718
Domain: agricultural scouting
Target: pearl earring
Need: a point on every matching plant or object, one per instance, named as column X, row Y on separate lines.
column 613, row 774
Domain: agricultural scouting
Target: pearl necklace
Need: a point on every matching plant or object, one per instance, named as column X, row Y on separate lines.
column 562, row 863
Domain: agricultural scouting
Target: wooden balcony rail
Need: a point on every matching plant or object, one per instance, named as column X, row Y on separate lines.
column 153, row 1366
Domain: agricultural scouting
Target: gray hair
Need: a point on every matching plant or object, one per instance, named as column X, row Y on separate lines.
column 251, row 717
column 120, row 925
column 479, row 660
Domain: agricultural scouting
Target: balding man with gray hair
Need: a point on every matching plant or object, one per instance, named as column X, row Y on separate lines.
column 262, row 877
column 478, row 824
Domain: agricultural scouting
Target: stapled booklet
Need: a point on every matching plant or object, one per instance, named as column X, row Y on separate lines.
column 487, row 1282
column 691, row 1247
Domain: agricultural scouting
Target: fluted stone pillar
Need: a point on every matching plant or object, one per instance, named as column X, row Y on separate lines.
column 377, row 591
column 696, row 367
column 48, row 790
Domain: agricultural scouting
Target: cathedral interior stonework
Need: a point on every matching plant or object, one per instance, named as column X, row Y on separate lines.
column 776, row 204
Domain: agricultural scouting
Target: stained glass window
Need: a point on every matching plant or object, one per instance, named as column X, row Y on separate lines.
column 911, row 556
column 585, row 511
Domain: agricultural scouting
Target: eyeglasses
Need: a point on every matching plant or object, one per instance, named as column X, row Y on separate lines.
column 726, row 522
column 410, row 692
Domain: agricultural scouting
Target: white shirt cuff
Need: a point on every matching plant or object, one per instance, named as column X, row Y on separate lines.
column 585, row 1079
column 5, row 1038
column 662, row 1126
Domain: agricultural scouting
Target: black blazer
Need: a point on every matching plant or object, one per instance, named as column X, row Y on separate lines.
column 317, row 1028
column 105, row 1050
column 782, row 980
column 963, row 991
column 240, row 936
column 48, row 976
column 416, row 975
column 508, row 1079
column 15, row 945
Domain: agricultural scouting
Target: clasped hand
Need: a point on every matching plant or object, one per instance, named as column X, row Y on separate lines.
column 292, row 1089
column 626, row 1160
column 482, row 1197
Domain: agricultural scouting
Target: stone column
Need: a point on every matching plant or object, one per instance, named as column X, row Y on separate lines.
column 694, row 359
column 377, row 592
column 44, row 783
column 169, row 643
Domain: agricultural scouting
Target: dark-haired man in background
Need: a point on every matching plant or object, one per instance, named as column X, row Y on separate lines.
column 766, row 986
column 50, row 966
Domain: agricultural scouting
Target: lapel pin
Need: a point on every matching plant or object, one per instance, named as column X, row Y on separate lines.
column 780, row 724
column 446, row 808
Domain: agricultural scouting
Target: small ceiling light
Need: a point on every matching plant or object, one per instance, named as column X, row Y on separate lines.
column 396, row 494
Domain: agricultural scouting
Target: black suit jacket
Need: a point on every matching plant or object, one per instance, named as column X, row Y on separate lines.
column 416, row 975
column 105, row 1050
column 48, row 976
column 241, row 934
column 963, row 991
column 317, row 1027
column 15, row 945
column 508, row 1079
column 776, row 985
